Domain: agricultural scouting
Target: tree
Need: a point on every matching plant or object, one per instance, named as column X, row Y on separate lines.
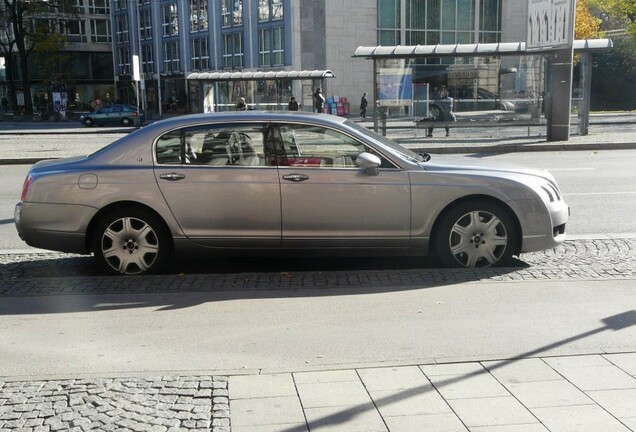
column 7, row 49
column 32, row 24
column 587, row 26
column 615, row 14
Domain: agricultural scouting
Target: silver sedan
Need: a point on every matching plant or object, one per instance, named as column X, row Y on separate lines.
column 288, row 182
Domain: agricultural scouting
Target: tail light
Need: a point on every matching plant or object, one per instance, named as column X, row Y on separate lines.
column 25, row 187
column 134, row 114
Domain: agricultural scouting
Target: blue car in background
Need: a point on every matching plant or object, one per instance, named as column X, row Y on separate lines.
column 114, row 114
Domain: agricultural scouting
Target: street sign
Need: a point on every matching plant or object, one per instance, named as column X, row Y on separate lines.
column 550, row 24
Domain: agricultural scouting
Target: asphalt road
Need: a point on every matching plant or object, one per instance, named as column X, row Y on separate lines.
column 298, row 329
column 197, row 323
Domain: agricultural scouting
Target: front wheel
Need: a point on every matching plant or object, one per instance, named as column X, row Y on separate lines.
column 132, row 241
column 476, row 233
column 88, row 122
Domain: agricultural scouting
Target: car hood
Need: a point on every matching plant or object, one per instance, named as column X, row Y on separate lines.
column 459, row 163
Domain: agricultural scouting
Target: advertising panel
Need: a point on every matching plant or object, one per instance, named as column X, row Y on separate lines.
column 550, row 24
column 395, row 87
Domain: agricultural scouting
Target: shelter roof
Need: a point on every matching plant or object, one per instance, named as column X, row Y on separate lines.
column 260, row 75
column 468, row 50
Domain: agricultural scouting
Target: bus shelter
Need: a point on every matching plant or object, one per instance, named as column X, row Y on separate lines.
column 262, row 90
column 487, row 82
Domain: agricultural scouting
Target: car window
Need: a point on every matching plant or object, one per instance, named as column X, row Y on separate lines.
column 235, row 145
column 116, row 109
column 321, row 147
column 169, row 148
column 105, row 110
column 231, row 145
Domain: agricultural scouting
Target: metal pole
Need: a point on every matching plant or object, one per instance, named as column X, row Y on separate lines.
column 141, row 62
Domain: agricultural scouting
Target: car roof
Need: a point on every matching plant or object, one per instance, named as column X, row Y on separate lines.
column 242, row 116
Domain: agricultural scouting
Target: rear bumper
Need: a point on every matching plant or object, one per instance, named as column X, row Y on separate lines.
column 53, row 226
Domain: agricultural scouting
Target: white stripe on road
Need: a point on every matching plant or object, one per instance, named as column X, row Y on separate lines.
column 598, row 193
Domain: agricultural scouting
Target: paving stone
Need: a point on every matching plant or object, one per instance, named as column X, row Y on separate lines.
column 491, row 411
column 578, row 418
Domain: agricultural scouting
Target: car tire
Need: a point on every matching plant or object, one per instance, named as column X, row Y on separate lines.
column 476, row 233
column 88, row 122
column 435, row 113
column 132, row 241
column 126, row 122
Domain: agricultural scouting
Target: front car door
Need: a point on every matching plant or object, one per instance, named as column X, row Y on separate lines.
column 327, row 201
column 219, row 185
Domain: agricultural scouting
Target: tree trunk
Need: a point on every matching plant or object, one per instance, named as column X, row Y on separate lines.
column 13, row 98
column 26, row 84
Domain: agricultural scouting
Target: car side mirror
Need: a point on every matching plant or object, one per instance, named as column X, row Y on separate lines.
column 369, row 163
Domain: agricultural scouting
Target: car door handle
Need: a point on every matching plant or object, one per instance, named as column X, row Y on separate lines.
column 295, row 177
column 172, row 176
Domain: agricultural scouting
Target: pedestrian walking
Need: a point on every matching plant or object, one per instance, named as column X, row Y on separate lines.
column 363, row 106
column 5, row 104
column 319, row 100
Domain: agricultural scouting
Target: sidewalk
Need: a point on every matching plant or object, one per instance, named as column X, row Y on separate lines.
column 558, row 394
column 42, row 140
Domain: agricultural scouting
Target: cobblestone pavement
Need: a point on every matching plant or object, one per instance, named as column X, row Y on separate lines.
column 162, row 404
column 201, row 403
column 57, row 273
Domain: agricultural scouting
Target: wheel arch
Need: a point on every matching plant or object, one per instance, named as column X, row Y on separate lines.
column 90, row 230
column 458, row 201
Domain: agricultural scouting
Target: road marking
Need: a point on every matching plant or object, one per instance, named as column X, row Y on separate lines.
column 599, row 193
column 571, row 169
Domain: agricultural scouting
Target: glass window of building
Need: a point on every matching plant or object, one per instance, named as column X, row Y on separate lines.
column 170, row 19
column 100, row 30
column 233, row 56
column 200, row 54
column 123, row 57
column 431, row 22
column 269, row 10
column 171, row 56
column 147, row 58
column 121, row 4
column 198, row 15
column 231, row 13
column 389, row 22
column 145, row 24
column 98, row 7
column 490, row 21
column 74, row 30
column 122, row 28
column 271, row 47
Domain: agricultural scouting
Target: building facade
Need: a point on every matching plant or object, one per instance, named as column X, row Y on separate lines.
column 172, row 39
column 81, row 71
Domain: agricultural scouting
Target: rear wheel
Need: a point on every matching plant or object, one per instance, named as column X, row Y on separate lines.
column 132, row 241
column 476, row 233
column 126, row 121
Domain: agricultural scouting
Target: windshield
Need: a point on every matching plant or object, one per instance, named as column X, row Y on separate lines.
column 388, row 144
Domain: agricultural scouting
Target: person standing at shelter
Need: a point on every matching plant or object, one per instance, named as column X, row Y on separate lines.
column 293, row 104
column 363, row 106
column 319, row 100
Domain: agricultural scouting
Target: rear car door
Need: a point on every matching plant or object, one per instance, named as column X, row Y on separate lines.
column 219, row 186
